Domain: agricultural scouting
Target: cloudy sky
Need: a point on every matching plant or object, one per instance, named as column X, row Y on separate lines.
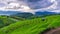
column 29, row 5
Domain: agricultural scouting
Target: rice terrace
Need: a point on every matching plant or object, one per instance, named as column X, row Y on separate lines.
column 29, row 16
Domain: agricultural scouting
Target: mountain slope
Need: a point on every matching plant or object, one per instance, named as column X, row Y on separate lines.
column 34, row 26
column 24, row 15
column 5, row 20
column 44, row 13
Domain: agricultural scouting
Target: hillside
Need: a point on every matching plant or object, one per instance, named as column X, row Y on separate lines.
column 33, row 26
column 5, row 21
column 24, row 15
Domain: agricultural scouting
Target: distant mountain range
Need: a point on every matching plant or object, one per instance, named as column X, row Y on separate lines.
column 44, row 13
column 38, row 13
column 8, row 12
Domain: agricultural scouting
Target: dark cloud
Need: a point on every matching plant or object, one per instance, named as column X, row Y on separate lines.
column 35, row 4
column 34, row 0
column 40, row 4
column 32, row 4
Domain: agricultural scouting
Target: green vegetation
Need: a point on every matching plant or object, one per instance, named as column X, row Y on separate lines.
column 25, row 15
column 5, row 20
column 32, row 26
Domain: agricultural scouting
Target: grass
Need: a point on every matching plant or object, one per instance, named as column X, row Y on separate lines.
column 4, row 21
column 33, row 26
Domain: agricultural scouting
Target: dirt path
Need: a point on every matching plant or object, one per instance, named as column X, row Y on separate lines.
column 53, row 31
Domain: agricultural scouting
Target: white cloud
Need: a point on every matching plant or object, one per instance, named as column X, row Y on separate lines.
column 22, row 5
column 52, row 0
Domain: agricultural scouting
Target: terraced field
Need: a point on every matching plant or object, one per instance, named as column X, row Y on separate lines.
column 32, row 26
column 4, row 21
